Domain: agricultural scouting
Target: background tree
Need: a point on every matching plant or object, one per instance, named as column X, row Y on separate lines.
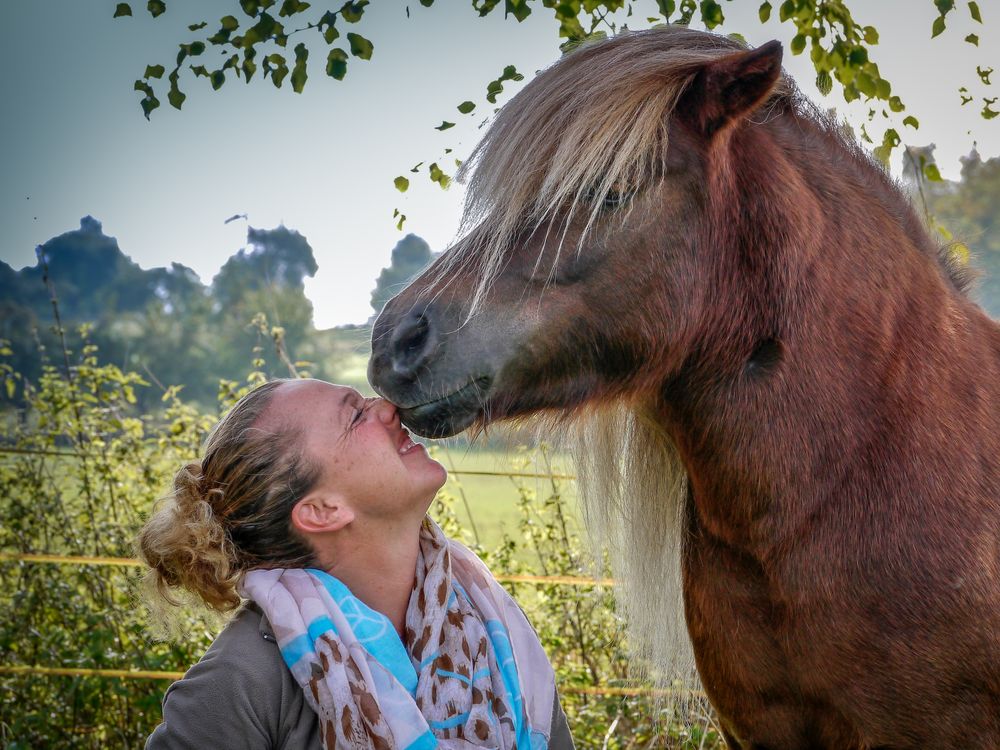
column 409, row 257
column 969, row 212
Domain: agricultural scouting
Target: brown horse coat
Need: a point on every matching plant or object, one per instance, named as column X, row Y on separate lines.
column 658, row 225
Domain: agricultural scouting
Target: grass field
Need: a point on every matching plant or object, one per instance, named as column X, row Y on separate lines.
column 487, row 505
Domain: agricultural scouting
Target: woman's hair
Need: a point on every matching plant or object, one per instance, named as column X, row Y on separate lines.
column 231, row 511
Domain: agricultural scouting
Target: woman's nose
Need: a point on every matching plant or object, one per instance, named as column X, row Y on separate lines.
column 384, row 410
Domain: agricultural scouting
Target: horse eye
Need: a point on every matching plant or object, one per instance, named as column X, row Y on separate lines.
column 612, row 200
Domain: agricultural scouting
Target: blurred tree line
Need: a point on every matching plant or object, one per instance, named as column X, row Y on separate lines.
column 171, row 328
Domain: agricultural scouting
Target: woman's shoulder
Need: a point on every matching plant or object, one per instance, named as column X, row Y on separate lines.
column 247, row 639
column 239, row 694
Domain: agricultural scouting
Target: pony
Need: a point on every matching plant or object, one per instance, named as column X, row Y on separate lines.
column 785, row 406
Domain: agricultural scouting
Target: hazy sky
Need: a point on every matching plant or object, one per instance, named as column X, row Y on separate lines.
column 74, row 141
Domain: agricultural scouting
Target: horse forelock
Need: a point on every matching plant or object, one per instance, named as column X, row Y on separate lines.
column 594, row 122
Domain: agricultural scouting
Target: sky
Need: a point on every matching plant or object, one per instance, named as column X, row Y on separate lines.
column 73, row 140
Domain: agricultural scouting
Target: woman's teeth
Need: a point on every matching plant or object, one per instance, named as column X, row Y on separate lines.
column 407, row 444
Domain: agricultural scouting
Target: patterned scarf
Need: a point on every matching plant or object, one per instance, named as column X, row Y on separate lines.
column 471, row 673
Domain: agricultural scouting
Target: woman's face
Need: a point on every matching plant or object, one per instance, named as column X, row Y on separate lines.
column 364, row 454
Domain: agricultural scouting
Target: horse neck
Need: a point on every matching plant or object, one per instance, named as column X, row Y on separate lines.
column 817, row 257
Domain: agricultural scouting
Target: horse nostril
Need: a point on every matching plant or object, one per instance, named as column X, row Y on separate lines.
column 411, row 342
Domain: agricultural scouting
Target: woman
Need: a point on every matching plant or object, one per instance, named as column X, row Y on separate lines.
column 365, row 626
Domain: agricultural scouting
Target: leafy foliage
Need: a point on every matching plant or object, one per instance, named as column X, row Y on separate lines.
column 839, row 47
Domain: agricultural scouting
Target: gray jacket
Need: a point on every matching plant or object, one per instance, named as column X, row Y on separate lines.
column 241, row 695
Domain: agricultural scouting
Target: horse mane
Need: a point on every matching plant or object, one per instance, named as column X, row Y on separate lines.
column 595, row 121
column 633, row 496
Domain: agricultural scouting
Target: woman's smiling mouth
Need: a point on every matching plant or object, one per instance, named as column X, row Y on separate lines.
column 407, row 444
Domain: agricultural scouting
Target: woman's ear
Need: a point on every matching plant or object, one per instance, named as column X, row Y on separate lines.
column 732, row 86
column 321, row 513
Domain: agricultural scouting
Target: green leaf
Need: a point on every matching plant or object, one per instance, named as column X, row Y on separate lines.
column 249, row 66
column 937, row 27
column 824, row 82
column 299, row 74
column 217, row 77
column 871, row 35
column 250, row 7
column 401, row 184
column 336, row 64
column 175, row 96
column 122, row 9
column 711, row 13
column 912, row 121
column 974, row 12
column 865, row 84
column 932, row 173
column 328, row 20
column 445, row 125
column 984, row 74
column 197, row 26
column 156, row 7
column 439, row 176
column 154, row 71
column 988, row 112
column 353, row 11
column 786, row 10
column 798, row 44
column 291, row 7
column 882, row 88
column 518, row 8
column 972, row 39
column 416, row 167
column 764, row 12
column 200, row 70
column 229, row 23
column 466, row 107
column 195, row 48
column 896, row 104
column 149, row 102
column 360, row 47
column 402, row 219
column 278, row 75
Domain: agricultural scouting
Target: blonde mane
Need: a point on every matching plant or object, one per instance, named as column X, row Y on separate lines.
column 633, row 497
column 594, row 122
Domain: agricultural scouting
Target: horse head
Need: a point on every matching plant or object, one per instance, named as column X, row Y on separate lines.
column 580, row 276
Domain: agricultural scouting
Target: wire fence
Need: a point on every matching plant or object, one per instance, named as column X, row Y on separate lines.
column 148, row 674
column 44, row 558
column 455, row 472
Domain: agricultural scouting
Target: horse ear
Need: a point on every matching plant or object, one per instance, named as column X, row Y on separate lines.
column 732, row 86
